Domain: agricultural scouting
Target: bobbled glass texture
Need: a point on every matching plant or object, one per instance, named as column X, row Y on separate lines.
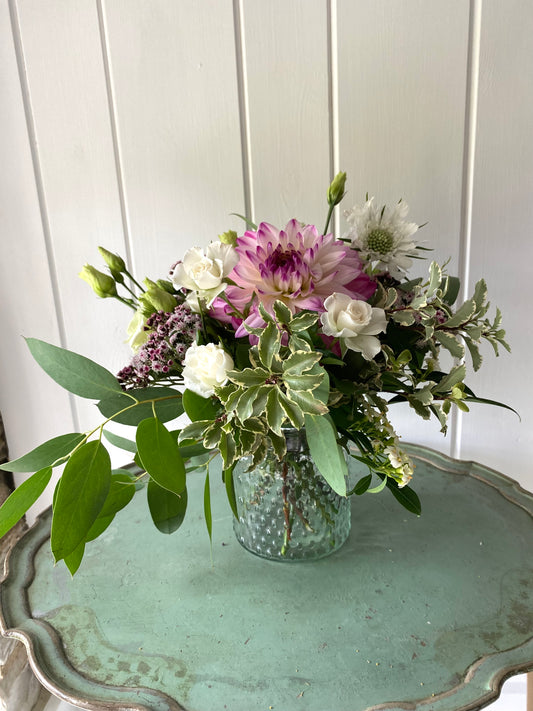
column 287, row 511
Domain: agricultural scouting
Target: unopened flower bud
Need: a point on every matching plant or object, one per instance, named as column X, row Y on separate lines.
column 102, row 284
column 145, row 306
column 166, row 285
column 229, row 237
column 117, row 276
column 336, row 189
column 137, row 336
column 113, row 261
column 158, row 299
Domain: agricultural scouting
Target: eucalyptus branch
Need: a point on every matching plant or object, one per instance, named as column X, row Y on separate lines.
column 101, row 426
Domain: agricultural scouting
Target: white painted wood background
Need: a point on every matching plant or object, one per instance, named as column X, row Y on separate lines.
column 141, row 124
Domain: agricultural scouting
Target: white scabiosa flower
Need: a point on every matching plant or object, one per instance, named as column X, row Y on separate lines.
column 206, row 368
column 382, row 236
column 204, row 272
column 355, row 323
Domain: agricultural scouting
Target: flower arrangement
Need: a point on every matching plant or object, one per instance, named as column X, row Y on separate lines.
column 275, row 328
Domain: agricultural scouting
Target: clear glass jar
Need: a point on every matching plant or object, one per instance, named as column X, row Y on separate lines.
column 287, row 511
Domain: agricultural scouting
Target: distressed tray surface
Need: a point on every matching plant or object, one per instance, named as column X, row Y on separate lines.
column 428, row 613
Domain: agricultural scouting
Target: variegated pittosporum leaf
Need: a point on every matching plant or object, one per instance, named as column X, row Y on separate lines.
column 285, row 383
column 426, row 309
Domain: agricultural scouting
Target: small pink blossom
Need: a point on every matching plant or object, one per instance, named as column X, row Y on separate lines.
column 297, row 266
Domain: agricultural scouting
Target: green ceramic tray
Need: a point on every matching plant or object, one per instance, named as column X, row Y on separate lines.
column 428, row 613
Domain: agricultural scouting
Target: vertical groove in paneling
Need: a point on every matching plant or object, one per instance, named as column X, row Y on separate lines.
column 121, row 189
column 501, row 249
column 175, row 89
column 471, row 104
column 30, row 125
column 244, row 114
column 333, row 99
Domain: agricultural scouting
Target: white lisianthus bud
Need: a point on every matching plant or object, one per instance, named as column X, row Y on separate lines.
column 206, row 368
column 355, row 322
column 113, row 261
column 336, row 189
column 102, row 284
column 137, row 336
column 205, row 273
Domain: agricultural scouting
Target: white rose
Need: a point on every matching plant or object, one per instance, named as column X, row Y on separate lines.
column 355, row 322
column 193, row 302
column 204, row 273
column 206, row 368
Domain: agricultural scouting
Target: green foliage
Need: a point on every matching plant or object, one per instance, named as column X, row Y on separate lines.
column 451, row 342
column 230, row 490
column 207, row 507
column 284, row 384
column 121, row 442
column 166, row 508
column 75, row 373
column 82, row 492
column 121, row 491
column 327, row 454
column 24, row 496
column 73, row 560
column 450, row 287
column 160, row 455
column 49, row 453
column 362, row 485
column 198, row 407
column 137, row 405
column 405, row 496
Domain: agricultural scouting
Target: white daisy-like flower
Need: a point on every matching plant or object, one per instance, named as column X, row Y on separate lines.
column 382, row 236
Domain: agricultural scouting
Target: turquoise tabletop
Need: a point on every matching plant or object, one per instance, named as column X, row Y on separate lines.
column 428, row 613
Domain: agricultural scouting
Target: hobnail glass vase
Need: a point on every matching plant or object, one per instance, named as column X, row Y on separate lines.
column 287, row 511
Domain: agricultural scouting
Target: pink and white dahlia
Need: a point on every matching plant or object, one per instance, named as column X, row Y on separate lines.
column 297, row 266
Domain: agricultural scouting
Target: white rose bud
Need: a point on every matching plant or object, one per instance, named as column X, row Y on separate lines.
column 206, row 368
column 205, row 273
column 355, row 322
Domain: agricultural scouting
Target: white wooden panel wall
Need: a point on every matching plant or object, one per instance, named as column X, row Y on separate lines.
column 73, row 154
column 174, row 83
column 33, row 407
column 502, row 233
column 141, row 125
column 401, row 108
column 286, row 69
